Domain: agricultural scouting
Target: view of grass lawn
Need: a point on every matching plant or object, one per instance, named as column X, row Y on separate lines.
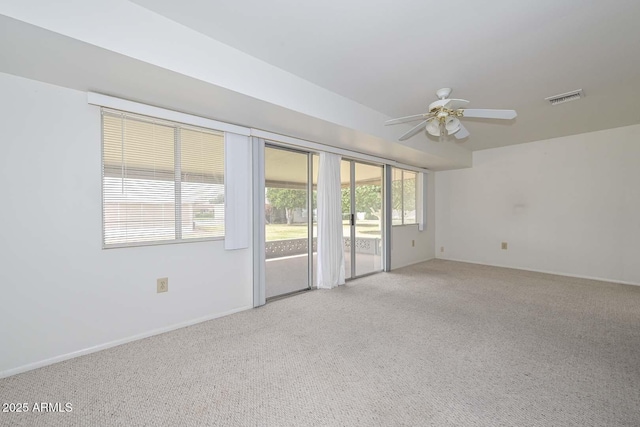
column 299, row 231
column 284, row 231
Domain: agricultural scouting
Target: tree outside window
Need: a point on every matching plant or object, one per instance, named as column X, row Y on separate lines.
column 404, row 197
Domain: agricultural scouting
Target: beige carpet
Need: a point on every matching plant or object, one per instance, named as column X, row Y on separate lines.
column 436, row 344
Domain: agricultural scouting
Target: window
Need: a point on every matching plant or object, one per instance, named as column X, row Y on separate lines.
column 404, row 197
column 161, row 181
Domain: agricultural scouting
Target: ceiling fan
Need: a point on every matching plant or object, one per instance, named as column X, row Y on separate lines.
column 444, row 116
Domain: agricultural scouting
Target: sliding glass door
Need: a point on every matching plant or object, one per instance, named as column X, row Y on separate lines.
column 368, row 225
column 347, row 215
column 287, row 220
column 291, row 227
column 362, row 212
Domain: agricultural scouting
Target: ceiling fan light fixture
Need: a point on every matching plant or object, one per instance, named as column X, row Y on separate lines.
column 433, row 127
column 452, row 124
column 443, row 117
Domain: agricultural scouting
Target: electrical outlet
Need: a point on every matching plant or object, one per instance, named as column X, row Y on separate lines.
column 441, row 248
column 413, row 243
column 163, row 285
column 504, row 245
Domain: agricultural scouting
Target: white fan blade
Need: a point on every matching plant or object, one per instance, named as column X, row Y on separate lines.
column 489, row 114
column 455, row 104
column 462, row 132
column 406, row 119
column 414, row 130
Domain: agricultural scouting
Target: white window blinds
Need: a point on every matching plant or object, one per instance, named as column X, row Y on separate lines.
column 162, row 181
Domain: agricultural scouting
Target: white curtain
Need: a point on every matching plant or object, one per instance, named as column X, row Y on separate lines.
column 330, row 241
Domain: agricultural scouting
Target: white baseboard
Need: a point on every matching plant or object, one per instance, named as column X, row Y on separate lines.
column 395, row 267
column 63, row 357
column 557, row 273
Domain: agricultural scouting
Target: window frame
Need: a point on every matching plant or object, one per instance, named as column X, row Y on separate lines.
column 402, row 201
column 177, row 126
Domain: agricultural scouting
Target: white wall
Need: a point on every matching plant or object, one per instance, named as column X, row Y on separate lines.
column 568, row 205
column 403, row 253
column 62, row 293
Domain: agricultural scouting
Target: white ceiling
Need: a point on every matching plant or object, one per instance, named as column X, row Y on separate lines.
column 123, row 49
column 333, row 72
column 392, row 56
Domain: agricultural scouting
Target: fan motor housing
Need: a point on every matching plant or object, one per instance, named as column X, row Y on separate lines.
column 443, row 93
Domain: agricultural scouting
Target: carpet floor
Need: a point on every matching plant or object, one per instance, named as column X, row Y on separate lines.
column 439, row 343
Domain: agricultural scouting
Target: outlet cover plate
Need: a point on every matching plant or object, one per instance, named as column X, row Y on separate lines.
column 163, row 285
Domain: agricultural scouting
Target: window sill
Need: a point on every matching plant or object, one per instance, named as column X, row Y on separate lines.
column 161, row 243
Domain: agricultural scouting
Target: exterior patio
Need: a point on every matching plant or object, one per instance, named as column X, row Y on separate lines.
column 287, row 261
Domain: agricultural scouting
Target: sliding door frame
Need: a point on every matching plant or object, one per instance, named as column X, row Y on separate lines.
column 310, row 208
column 309, row 154
column 386, row 241
column 352, row 216
column 259, row 185
column 259, row 247
column 387, row 209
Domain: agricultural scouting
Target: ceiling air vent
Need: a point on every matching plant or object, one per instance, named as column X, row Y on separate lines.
column 565, row 97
